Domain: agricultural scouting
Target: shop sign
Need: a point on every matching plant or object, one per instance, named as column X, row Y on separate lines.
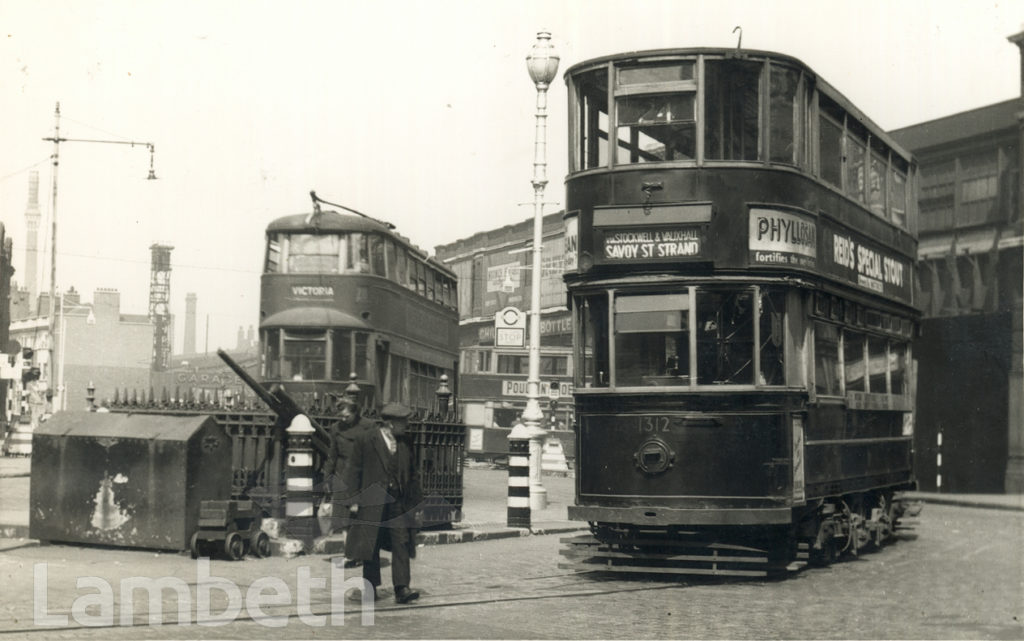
column 518, row 388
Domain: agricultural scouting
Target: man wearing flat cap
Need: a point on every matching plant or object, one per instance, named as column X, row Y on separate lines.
column 381, row 473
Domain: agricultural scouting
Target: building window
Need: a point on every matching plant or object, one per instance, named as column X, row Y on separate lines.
column 513, row 364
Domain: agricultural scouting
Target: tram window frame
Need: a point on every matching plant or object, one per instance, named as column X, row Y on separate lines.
column 723, row 112
column 592, row 356
column 272, row 262
column 390, row 258
column 430, row 279
column 719, row 326
column 358, row 259
column 779, row 106
column 341, row 353
column 854, row 354
column 272, row 354
column 898, row 190
column 827, row 364
column 307, row 364
column 307, row 253
column 593, row 119
column 772, row 337
column 676, row 137
column 899, row 356
column 361, row 354
column 378, row 261
column 654, row 87
column 878, row 177
column 402, row 267
column 830, row 145
column 651, row 340
column 877, row 364
column 855, row 160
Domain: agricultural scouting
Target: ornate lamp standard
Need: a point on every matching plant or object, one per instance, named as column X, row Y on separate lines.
column 542, row 63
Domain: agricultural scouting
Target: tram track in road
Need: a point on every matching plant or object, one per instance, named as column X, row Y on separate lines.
column 512, row 591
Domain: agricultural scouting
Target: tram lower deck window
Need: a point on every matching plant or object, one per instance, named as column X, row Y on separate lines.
column 652, row 339
column 304, row 356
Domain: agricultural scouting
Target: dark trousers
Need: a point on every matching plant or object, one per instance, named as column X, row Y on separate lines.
column 399, row 539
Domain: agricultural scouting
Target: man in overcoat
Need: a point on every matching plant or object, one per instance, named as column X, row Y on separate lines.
column 382, row 475
column 343, row 438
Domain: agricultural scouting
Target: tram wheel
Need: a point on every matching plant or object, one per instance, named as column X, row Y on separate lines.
column 234, row 547
column 261, row 546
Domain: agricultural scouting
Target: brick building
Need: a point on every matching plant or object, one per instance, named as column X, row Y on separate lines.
column 493, row 269
column 94, row 342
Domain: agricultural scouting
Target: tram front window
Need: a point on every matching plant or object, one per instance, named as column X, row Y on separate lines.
column 592, row 357
column 652, row 339
column 305, row 355
column 313, row 253
column 725, row 337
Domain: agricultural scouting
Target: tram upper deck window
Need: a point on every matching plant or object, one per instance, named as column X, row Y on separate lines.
column 656, row 112
column 878, row 171
column 652, row 339
column 898, row 192
column 732, row 109
column 591, row 114
column 358, row 253
column 313, row 254
column 830, row 143
column 855, row 161
column 656, row 127
column 273, row 263
column 784, row 115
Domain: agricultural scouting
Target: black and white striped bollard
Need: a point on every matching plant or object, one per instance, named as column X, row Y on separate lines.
column 519, row 477
column 300, row 521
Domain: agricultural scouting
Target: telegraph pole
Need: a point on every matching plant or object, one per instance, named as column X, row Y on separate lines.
column 56, row 139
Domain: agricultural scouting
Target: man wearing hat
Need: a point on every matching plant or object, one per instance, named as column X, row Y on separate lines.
column 343, row 437
column 381, row 474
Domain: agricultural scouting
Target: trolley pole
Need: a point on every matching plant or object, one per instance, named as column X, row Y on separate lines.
column 542, row 64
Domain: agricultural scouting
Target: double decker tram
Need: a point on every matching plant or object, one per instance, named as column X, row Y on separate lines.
column 342, row 294
column 743, row 297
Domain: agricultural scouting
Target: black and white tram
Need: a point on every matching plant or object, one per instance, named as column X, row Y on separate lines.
column 743, row 296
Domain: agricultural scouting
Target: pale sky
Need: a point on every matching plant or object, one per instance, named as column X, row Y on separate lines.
column 419, row 113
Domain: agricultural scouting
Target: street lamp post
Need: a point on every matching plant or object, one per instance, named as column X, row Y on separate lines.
column 542, row 63
column 55, row 400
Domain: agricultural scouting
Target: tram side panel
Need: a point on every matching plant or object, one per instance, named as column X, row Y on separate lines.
column 850, row 451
